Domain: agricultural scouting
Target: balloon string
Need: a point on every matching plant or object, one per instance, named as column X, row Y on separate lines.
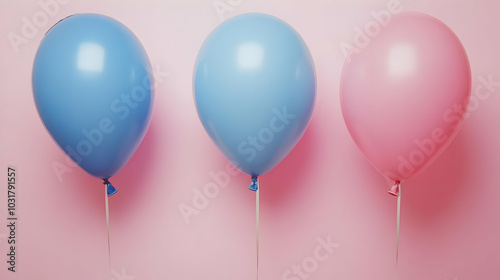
column 257, row 227
column 398, row 225
column 107, row 220
column 254, row 186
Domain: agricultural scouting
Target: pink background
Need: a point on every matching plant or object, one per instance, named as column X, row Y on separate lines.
column 450, row 215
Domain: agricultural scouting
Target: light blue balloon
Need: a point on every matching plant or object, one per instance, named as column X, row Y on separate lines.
column 94, row 91
column 254, row 86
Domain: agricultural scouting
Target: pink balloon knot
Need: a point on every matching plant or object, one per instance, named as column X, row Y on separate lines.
column 394, row 190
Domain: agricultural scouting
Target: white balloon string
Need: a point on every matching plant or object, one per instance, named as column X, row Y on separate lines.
column 257, row 227
column 398, row 225
column 107, row 220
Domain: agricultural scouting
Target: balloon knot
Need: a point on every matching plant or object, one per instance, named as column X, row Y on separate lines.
column 254, row 186
column 109, row 188
column 395, row 189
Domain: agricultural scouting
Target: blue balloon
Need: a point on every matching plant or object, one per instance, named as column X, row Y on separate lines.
column 93, row 88
column 254, row 86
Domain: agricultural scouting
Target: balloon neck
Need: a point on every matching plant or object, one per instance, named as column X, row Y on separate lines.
column 395, row 189
column 109, row 188
column 254, row 186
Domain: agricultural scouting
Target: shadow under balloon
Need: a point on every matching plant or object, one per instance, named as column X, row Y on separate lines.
column 427, row 196
column 136, row 181
column 285, row 182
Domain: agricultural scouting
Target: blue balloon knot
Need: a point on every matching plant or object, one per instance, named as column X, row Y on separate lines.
column 254, row 186
column 109, row 188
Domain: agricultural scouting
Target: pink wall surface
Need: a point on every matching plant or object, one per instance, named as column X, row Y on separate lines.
column 323, row 190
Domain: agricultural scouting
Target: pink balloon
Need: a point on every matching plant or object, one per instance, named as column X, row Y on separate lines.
column 405, row 94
